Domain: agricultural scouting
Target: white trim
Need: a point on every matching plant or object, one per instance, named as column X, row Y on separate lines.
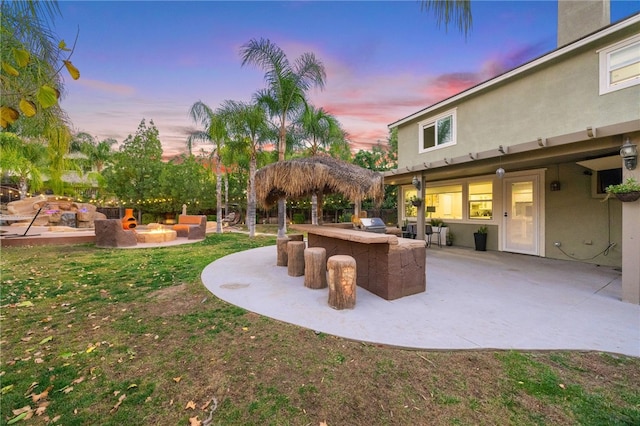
column 604, row 66
column 522, row 69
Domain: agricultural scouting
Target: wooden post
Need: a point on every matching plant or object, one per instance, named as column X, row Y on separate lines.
column 296, row 237
column 342, row 282
column 295, row 254
column 281, row 246
column 315, row 267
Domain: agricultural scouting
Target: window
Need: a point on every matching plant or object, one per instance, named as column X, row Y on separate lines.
column 444, row 202
column 620, row 65
column 410, row 211
column 481, row 200
column 437, row 132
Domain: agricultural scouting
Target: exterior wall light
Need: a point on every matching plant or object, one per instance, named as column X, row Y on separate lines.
column 500, row 172
column 416, row 182
column 629, row 152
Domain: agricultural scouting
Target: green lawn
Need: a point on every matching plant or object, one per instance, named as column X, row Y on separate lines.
column 112, row 337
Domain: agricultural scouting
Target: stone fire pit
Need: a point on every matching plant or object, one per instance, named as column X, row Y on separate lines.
column 156, row 235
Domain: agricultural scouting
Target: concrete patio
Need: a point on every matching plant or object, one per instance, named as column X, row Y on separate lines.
column 474, row 300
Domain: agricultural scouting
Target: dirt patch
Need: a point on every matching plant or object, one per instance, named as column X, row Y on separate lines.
column 174, row 300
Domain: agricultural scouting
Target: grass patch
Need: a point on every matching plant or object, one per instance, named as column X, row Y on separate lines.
column 133, row 337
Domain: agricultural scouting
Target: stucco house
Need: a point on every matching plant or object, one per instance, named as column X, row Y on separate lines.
column 552, row 129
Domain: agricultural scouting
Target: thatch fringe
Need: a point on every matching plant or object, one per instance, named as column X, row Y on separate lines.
column 301, row 177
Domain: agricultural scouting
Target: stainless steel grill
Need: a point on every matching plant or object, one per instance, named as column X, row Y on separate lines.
column 373, row 224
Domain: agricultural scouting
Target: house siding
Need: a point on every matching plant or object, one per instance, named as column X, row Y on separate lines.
column 559, row 98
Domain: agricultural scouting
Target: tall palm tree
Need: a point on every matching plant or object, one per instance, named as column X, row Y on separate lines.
column 248, row 128
column 447, row 11
column 319, row 130
column 215, row 132
column 284, row 95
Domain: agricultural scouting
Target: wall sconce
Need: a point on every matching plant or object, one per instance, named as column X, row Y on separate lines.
column 629, row 152
column 591, row 132
column 542, row 142
column 416, row 182
column 473, row 156
column 502, row 149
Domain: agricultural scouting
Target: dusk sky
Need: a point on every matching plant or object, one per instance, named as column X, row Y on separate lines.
column 384, row 59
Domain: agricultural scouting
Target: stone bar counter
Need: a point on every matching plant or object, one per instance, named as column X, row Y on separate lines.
column 388, row 266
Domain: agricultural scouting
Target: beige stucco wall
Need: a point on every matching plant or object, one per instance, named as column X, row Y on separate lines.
column 557, row 99
column 582, row 224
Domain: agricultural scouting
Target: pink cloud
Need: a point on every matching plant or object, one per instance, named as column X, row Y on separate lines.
column 106, row 87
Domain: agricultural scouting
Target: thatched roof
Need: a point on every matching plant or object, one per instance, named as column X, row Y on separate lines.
column 302, row 177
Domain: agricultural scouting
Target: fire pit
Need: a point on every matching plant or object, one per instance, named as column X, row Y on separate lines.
column 158, row 235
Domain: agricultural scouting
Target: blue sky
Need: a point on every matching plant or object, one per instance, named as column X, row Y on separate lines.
column 384, row 59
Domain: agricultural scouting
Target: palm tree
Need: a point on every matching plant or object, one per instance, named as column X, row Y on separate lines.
column 248, row 128
column 320, row 130
column 451, row 10
column 284, row 95
column 215, row 131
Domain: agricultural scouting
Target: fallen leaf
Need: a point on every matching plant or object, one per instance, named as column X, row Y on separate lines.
column 562, row 385
column 132, row 385
column 38, row 360
column 31, row 388
column 21, row 416
column 206, row 404
column 26, row 339
column 42, row 395
column 45, row 340
column 177, row 379
column 55, row 419
column 78, row 380
column 90, row 349
column 191, row 405
column 68, row 389
column 5, row 390
column 193, row 421
column 42, row 408
column 25, row 304
column 323, row 423
column 115, row 407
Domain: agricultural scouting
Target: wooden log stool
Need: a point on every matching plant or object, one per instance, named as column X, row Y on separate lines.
column 295, row 261
column 315, row 267
column 342, row 282
column 281, row 247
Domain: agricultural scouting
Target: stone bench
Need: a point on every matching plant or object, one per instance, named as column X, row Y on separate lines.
column 388, row 266
column 194, row 227
column 109, row 233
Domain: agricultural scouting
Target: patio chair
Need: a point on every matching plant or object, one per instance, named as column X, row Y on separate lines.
column 428, row 232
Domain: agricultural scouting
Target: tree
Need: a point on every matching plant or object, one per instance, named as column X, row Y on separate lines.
column 446, row 11
column 135, row 171
column 22, row 161
column 284, row 95
column 320, row 130
column 31, row 59
column 215, row 132
column 249, row 129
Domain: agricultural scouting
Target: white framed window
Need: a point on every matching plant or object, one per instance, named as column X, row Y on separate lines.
column 437, row 132
column 480, row 200
column 620, row 65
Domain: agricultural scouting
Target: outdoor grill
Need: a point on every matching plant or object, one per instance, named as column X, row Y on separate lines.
column 373, row 224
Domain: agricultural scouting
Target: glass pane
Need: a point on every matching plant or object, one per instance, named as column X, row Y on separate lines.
column 428, row 137
column 444, row 130
column 625, row 73
column 444, row 202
